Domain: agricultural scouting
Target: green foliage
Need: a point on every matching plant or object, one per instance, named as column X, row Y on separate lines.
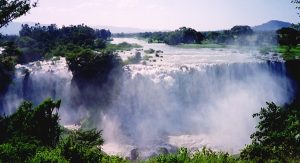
column 183, row 156
column 289, row 40
column 99, row 44
column 7, row 67
column 48, row 155
column 8, row 59
column 288, row 36
column 182, row 35
column 124, row 46
column 88, row 64
column 12, row 9
column 63, row 50
column 103, row 34
column 113, row 159
column 39, row 123
column 28, row 130
column 241, row 30
column 10, row 49
column 31, row 135
column 288, row 52
column 277, row 136
column 237, row 34
column 37, row 41
column 82, row 146
column 18, row 150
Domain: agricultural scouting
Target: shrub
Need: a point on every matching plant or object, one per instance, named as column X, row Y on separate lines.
column 82, row 146
column 50, row 156
column 184, row 156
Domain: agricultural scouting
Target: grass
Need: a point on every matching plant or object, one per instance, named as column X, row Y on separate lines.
column 289, row 53
column 124, row 46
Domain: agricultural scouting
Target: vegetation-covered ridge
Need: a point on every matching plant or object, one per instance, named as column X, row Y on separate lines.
column 33, row 134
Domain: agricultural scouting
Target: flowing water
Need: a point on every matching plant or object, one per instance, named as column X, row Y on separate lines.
column 179, row 98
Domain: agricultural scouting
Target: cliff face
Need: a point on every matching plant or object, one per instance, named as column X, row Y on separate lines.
column 293, row 72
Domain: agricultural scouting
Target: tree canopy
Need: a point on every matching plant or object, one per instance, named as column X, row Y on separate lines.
column 182, row 35
column 277, row 136
column 12, row 9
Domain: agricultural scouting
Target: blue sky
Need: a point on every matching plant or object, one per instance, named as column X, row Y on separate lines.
column 162, row 14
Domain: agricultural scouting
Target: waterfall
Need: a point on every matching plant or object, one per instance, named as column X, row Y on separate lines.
column 186, row 98
column 209, row 105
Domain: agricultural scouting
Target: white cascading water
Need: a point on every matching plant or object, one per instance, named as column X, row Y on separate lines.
column 186, row 98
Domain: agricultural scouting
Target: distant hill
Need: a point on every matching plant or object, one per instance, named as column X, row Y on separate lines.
column 14, row 27
column 272, row 25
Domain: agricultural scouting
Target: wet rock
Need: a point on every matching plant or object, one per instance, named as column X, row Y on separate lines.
column 134, row 154
column 163, row 151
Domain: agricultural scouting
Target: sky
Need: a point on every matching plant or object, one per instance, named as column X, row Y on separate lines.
column 162, row 14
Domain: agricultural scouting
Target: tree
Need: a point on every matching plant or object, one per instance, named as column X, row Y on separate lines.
column 28, row 130
column 82, row 146
column 39, row 123
column 241, row 30
column 277, row 136
column 90, row 65
column 12, row 9
column 288, row 36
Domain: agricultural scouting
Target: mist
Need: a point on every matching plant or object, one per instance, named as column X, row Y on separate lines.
column 209, row 106
column 186, row 98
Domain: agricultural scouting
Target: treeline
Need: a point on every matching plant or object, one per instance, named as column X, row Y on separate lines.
column 182, row 35
column 289, row 36
column 239, row 35
column 186, row 35
column 289, row 42
column 36, row 42
column 33, row 134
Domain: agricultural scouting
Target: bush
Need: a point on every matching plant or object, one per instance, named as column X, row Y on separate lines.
column 184, row 156
column 63, row 50
column 18, row 150
column 82, row 146
column 113, row 159
column 50, row 156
